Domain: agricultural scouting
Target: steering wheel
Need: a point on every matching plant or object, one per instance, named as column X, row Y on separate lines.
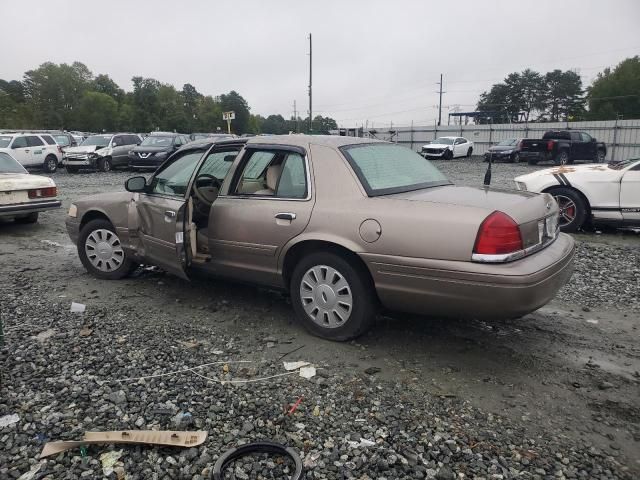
column 207, row 194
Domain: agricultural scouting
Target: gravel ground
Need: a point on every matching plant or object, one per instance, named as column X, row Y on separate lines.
column 552, row 395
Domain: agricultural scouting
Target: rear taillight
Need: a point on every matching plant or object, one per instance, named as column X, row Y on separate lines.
column 550, row 145
column 498, row 234
column 43, row 192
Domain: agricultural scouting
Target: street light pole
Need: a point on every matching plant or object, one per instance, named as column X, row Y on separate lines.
column 310, row 84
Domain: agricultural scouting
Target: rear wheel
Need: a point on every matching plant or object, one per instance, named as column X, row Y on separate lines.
column 332, row 298
column 101, row 252
column 31, row 218
column 50, row 164
column 573, row 209
column 562, row 158
column 600, row 155
column 104, row 164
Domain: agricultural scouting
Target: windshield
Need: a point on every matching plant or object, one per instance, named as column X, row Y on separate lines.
column 386, row 168
column 8, row 164
column 99, row 140
column 508, row 143
column 156, row 141
column 61, row 140
column 622, row 164
column 5, row 141
column 198, row 136
column 443, row 141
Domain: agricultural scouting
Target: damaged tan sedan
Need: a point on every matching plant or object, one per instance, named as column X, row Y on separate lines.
column 346, row 225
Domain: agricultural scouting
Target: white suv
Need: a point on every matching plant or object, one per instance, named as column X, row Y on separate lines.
column 32, row 150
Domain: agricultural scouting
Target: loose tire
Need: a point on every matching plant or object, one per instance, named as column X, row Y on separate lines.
column 331, row 297
column 469, row 152
column 72, row 169
column 562, row 158
column 101, row 252
column 573, row 209
column 104, row 164
column 31, row 218
column 448, row 155
column 50, row 164
column 515, row 157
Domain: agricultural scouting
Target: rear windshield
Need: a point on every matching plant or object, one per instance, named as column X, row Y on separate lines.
column 155, row 141
column 5, row 141
column 556, row 135
column 10, row 165
column 506, row 143
column 99, row 140
column 386, row 168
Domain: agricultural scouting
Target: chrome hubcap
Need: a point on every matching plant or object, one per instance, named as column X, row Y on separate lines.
column 326, row 296
column 103, row 250
column 567, row 210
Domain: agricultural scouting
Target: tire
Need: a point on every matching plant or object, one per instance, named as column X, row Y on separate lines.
column 448, row 155
column 600, row 156
column 469, row 152
column 515, row 157
column 104, row 164
column 50, row 164
column 31, row 218
column 562, row 158
column 573, row 209
column 72, row 169
column 94, row 235
column 346, row 281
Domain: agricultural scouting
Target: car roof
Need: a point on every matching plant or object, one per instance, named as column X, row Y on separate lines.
column 165, row 134
column 304, row 140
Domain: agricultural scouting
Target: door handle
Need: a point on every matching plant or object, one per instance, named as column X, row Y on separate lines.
column 286, row 216
column 170, row 214
column 27, row 151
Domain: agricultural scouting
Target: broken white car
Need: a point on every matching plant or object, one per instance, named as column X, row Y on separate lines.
column 598, row 194
column 22, row 195
column 447, row 148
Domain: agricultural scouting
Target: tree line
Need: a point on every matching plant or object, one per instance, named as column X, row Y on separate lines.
column 560, row 96
column 70, row 97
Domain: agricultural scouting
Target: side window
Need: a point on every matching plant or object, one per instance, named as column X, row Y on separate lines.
column 118, row 141
column 48, row 139
column 218, row 164
column 34, row 141
column 462, row 140
column 177, row 141
column 585, row 137
column 174, row 178
column 575, row 137
column 254, row 178
column 19, row 142
column 293, row 180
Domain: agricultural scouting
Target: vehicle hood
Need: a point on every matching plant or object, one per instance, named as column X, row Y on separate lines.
column 599, row 170
column 23, row 181
column 83, row 149
column 149, row 149
column 522, row 206
column 436, row 145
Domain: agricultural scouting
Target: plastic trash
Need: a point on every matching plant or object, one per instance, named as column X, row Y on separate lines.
column 308, row 372
column 78, row 307
column 31, row 473
column 109, row 461
column 289, row 366
column 9, row 420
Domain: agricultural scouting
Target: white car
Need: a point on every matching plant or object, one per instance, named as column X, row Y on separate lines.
column 36, row 150
column 596, row 193
column 447, row 148
column 23, row 195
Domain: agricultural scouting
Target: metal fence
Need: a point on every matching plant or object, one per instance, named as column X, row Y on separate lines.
column 622, row 137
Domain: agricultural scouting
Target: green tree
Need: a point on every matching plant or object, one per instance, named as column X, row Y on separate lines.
column 616, row 92
column 208, row 114
column 145, row 104
column 104, row 84
column 97, row 112
column 563, row 96
column 233, row 101
column 275, row 124
column 190, row 97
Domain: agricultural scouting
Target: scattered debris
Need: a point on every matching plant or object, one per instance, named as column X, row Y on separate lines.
column 9, row 420
column 308, row 372
column 85, row 332
column 316, row 411
column 109, row 461
column 289, row 366
column 295, row 406
column 149, row 437
column 45, row 335
column 363, row 443
column 189, row 344
column 78, row 307
column 592, row 321
column 372, row 370
column 31, row 473
column 52, row 243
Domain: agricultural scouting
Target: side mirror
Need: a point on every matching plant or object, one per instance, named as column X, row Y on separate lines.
column 136, row 184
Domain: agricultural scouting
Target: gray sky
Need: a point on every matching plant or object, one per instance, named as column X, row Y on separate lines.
column 372, row 60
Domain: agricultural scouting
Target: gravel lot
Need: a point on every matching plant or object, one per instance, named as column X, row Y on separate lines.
column 552, row 395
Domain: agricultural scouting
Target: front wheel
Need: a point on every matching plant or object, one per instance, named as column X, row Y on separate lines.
column 515, row 158
column 448, row 155
column 101, row 252
column 332, row 298
column 104, row 164
column 573, row 209
column 50, row 164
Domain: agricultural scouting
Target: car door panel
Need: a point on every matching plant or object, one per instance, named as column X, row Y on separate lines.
column 630, row 196
column 20, row 152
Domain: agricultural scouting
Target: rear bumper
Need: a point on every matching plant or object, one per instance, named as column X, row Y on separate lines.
column 540, row 156
column 18, row 209
column 471, row 290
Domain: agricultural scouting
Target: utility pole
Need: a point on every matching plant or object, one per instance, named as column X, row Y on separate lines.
column 440, row 104
column 295, row 116
column 310, row 83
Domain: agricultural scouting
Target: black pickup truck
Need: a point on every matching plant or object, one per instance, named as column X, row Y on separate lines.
column 562, row 147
